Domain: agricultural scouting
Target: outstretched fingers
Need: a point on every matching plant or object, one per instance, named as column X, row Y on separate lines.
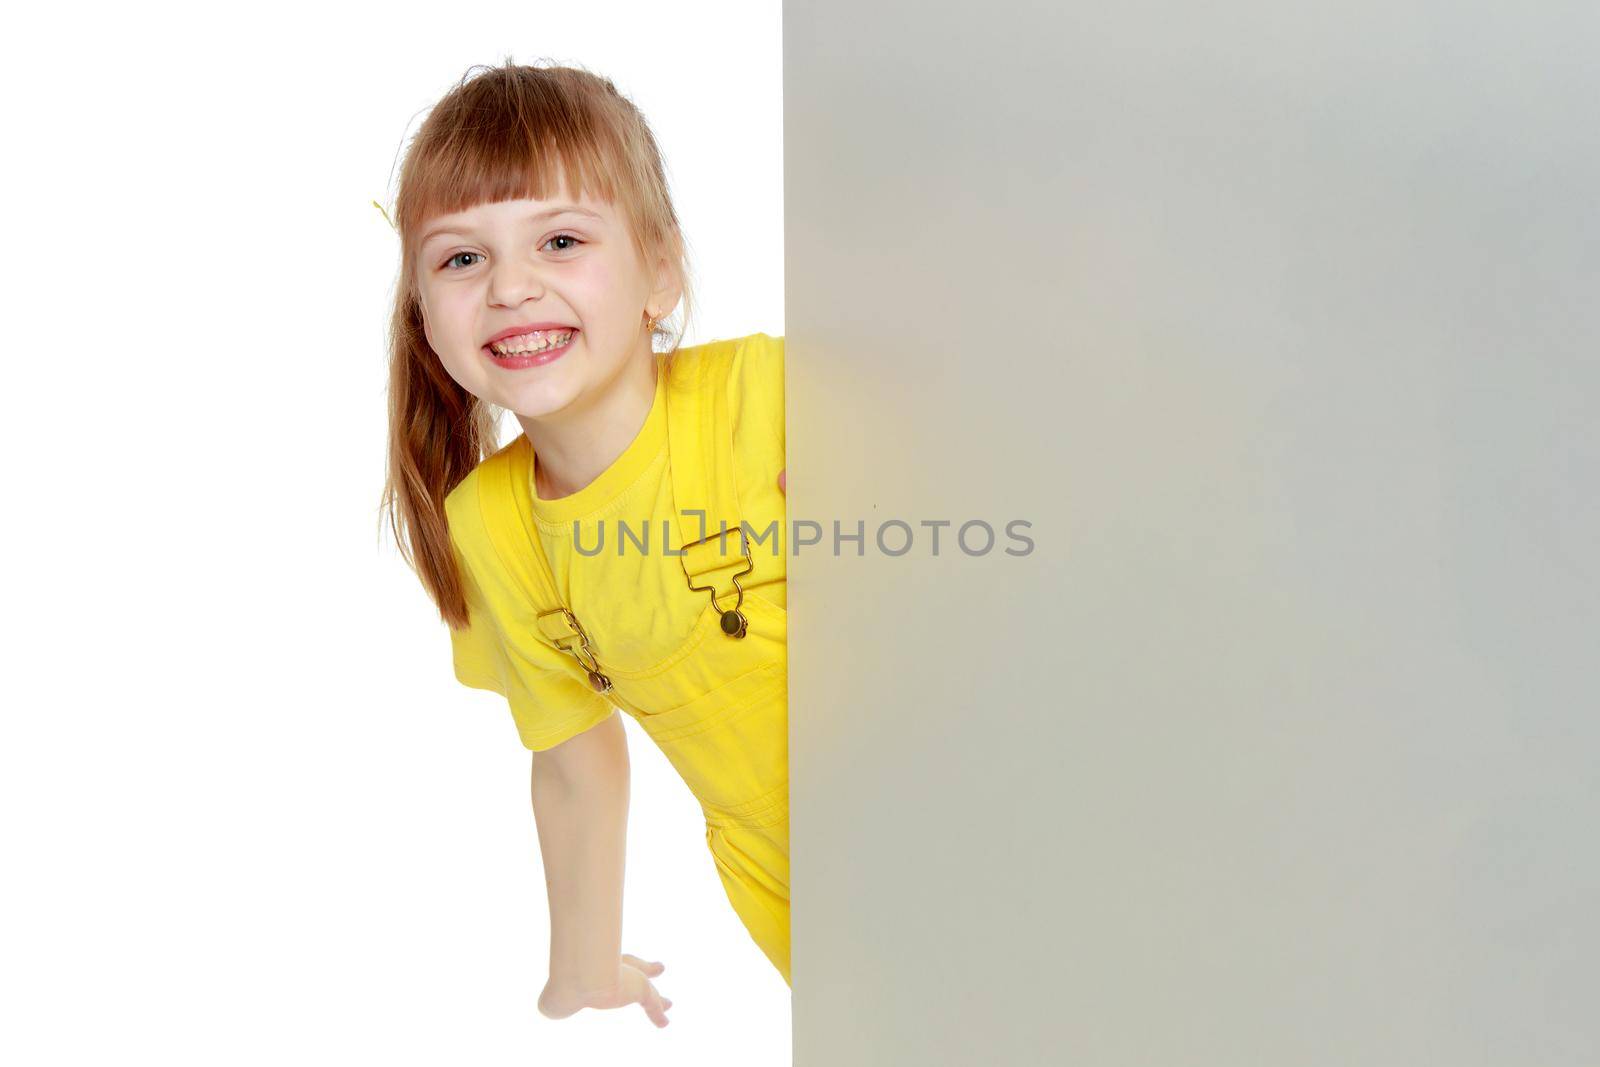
column 654, row 1004
column 652, row 969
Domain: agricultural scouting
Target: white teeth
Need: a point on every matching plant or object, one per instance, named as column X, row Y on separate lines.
column 531, row 342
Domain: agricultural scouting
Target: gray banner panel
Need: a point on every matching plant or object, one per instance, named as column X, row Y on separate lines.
column 1277, row 323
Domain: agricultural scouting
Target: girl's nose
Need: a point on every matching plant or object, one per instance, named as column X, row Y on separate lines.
column 512, row 283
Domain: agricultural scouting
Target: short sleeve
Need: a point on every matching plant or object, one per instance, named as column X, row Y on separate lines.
column 757, row 392
column 548, row 706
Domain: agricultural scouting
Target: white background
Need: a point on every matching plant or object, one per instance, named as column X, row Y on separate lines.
column 251, row 815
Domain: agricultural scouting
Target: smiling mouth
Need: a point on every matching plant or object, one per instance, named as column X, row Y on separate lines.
column 527, row 344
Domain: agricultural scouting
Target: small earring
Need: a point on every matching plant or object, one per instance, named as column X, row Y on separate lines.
column 649, row 322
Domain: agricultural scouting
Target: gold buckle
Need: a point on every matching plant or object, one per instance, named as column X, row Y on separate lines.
column 597, row 679
column 734, row 623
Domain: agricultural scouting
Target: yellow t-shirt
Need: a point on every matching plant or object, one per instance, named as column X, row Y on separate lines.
column 607, row 547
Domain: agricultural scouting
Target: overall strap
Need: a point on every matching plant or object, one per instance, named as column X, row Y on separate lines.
column 507, row 503
column 714, row 548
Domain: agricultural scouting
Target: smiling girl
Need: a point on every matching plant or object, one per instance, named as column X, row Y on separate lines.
column 540, row 254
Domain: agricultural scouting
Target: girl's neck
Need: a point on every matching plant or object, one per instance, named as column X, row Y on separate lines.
column 577, row 449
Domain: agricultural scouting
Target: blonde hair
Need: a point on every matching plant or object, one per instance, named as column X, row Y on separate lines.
column 513, row 131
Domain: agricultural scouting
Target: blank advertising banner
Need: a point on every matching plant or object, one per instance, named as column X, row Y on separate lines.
column 1195, row 597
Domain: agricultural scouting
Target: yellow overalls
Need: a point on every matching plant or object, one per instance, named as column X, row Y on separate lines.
column 717, row 705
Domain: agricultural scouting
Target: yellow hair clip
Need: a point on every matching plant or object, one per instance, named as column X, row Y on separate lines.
column 386, row 217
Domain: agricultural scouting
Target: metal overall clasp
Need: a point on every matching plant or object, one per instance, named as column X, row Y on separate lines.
column 580, row 648
column 734, row 623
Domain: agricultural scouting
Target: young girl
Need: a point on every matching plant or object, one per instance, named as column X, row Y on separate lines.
column 582, row 567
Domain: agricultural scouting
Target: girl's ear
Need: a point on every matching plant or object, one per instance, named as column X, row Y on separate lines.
column 668, row 287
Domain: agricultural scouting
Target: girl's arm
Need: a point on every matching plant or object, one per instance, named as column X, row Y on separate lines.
column 580, row 804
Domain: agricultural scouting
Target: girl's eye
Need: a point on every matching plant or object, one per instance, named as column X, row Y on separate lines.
column 448, row 264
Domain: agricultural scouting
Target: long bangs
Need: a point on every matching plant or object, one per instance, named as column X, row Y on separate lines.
column 473, row 168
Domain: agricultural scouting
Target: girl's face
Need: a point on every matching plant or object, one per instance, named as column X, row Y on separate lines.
column 527, row 263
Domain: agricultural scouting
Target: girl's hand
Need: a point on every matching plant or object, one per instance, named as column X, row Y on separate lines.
column 631, row 987
column 782, row 488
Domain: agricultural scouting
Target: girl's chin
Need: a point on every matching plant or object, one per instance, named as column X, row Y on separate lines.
column 539, row 402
